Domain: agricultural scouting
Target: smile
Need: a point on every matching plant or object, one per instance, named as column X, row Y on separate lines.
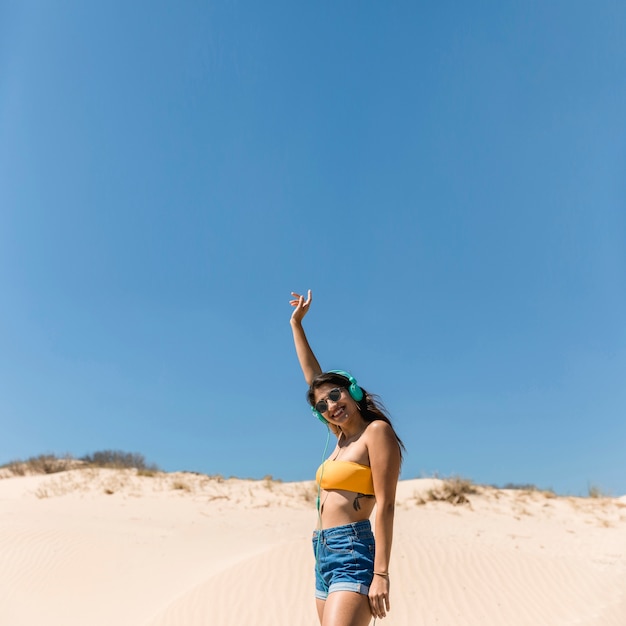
column 338, row 413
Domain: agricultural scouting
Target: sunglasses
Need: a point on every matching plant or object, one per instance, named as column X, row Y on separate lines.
column 334, row 394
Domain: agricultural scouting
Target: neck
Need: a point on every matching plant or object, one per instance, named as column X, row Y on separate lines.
column 353, row 431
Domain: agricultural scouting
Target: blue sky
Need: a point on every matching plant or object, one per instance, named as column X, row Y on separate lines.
column 448, row 180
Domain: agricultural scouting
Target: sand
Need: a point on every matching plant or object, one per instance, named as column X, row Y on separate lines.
column 96, row 547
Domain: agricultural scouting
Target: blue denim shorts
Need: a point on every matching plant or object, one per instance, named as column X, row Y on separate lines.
column 344, row 559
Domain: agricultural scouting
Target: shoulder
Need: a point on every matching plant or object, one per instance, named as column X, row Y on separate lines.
column 383, row 450
column 380, row 431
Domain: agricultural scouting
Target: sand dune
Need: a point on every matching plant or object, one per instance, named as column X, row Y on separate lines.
column 95, row 547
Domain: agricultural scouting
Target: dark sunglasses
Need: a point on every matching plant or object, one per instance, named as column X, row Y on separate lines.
column 334, row 394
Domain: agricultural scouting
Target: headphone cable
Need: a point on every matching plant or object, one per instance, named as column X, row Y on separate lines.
column 319, row 509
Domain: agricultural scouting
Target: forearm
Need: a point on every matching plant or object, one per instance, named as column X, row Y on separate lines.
column 383, row 537
column 309, row 364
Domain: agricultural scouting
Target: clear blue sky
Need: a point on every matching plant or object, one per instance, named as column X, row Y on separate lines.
column 448, row 179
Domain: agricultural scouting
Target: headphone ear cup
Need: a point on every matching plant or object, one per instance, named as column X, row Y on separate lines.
column 356, row 393
column 319, row 416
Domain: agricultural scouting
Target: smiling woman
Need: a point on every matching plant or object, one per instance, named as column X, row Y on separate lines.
column 352, row 563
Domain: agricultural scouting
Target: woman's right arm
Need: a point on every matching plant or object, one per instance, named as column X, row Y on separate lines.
column 309, row 364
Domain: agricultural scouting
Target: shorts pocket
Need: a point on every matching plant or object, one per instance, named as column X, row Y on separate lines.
column 366, row 540
column 342, row 545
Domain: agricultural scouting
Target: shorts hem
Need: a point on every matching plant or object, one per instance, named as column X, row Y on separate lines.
column 342, row 586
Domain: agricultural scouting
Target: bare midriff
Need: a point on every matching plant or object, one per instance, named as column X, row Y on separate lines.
column 337, row 507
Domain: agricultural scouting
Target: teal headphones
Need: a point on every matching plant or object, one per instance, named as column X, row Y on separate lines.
column 356, row 393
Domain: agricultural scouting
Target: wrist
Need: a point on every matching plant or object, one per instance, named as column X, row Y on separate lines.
column 382, row 574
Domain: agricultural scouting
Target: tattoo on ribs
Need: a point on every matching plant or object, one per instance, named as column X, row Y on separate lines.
column 356, row 505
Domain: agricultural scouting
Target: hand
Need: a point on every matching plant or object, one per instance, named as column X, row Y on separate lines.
column 300, row 305
column 379, row 596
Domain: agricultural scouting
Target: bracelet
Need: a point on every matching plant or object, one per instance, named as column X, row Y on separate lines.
column 383, row 574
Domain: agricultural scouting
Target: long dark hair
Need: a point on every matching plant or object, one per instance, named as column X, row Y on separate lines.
column 370, row 406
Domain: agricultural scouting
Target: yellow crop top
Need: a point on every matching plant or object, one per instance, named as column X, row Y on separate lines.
column 345, row 475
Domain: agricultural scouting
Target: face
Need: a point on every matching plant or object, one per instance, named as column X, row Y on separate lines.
column 339, row 410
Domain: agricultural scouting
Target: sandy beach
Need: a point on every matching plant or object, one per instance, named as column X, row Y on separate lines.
column 97, row 547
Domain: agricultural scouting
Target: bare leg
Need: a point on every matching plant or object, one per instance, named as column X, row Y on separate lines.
column 344, row 608
column 320, row 608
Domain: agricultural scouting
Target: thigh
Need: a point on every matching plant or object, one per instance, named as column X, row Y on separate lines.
column 344, row 608
column 319, row 604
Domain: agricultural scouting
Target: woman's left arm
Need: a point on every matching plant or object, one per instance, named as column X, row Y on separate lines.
column 384, row 454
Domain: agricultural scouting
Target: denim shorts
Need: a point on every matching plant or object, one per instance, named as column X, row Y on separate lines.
column 344, row 559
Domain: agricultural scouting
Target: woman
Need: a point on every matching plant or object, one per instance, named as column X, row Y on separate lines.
column 352, row 578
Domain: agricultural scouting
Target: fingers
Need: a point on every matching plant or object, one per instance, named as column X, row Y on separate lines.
column 379, row 607
column 299, row 301
column 379, row 602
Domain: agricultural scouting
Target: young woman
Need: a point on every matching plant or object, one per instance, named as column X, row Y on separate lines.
column 352, row 564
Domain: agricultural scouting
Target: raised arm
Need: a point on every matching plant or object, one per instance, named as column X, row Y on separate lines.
column 309, row 364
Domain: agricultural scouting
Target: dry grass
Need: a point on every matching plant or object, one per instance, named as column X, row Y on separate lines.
column 41, row 464
column 117, row 459
column 86, row 481
column 594, row 491
column 456, row 490
column 52, row 464
column 453, row 490
column 42, row 492
column 529, row 489
column 308, row 492
column 269, row 482
column 150, row 473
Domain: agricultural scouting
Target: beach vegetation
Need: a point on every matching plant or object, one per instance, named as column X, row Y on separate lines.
column 453, row 490
column 594, row 491
column 309, row 492
column 181, row 485
column 269, row 481
column 520, row 486
column 41, row 464
column 118, row 459
column 528, row 489
column 51, row 463
column 150, row 473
